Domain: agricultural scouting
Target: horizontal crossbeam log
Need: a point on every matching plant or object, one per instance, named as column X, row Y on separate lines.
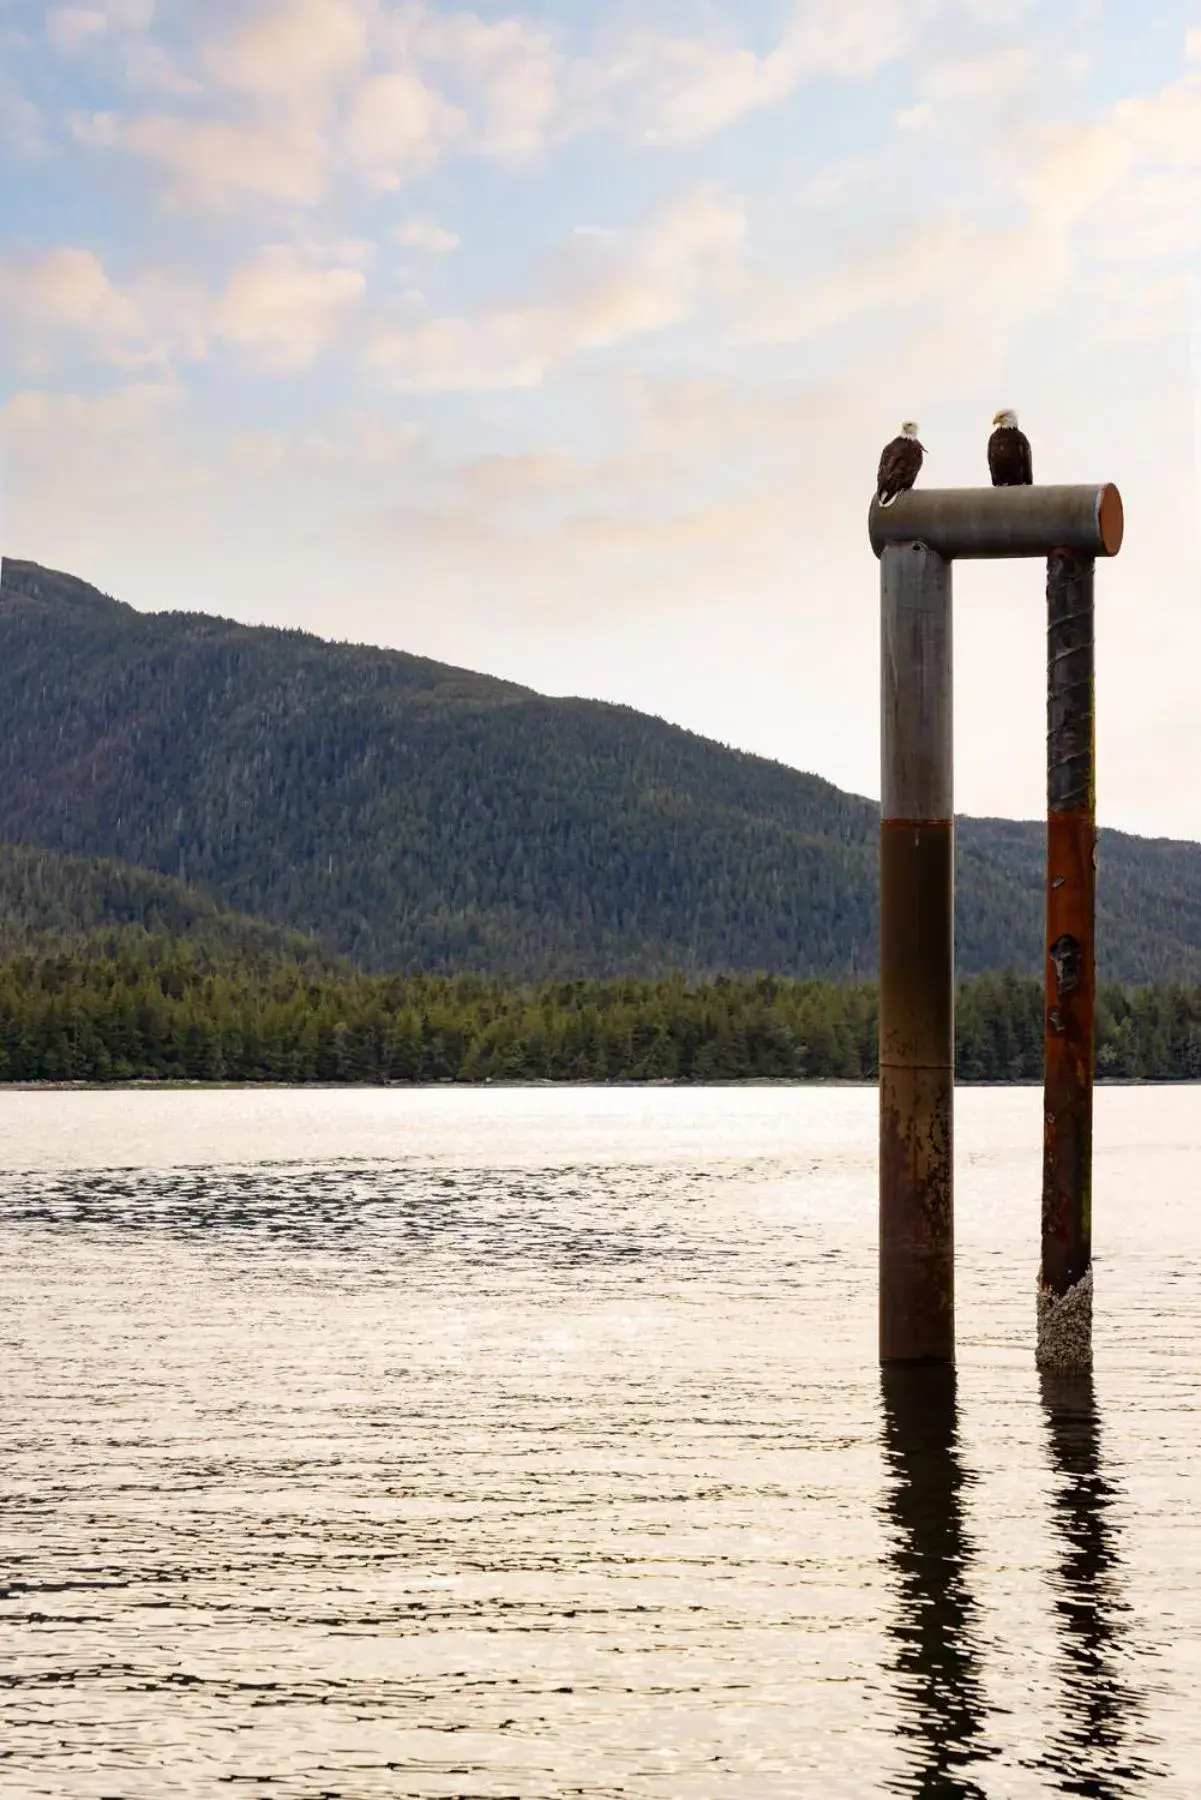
column 1006, row 521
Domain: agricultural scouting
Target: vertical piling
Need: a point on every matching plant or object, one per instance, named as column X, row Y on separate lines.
column 1065, row 1293
column 917, row 958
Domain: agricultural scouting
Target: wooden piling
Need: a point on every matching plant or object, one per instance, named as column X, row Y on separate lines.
column 1065, row 1271
column 916, row 539
column 917, row 963
column 1003, row 522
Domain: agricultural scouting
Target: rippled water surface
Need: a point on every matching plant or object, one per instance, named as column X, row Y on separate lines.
column 532, row 1443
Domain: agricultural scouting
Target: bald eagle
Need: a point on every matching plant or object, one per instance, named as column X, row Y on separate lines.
column 1009, row 461
column 900, row 462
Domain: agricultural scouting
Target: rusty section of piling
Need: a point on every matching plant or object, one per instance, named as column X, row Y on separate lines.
column 1065, row 1270
column 917, row 964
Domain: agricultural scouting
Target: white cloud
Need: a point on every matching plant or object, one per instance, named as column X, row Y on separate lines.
column 130, row 15
column 216, row 162
column 977, row 92
column 601, row 294
column 944, row 281
column 1120, row 189
column 1192, row 45
column 695, row 414
column 38, row 419
column 388, row 92
column 678, row 89
column 984, row 80
column 512, row 71
column 855, row 38
column 398, row 126
column 89, row 474
column 426, row 236
column 291, row 46
column 1072, row 168
column 914, row 118
column 359, row 443
column 67, row 294
column 284, row 309
column 71, row 29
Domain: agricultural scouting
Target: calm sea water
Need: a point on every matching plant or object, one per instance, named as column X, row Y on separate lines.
column 532, row 1443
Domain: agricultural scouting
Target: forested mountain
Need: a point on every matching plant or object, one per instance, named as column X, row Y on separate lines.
column 49, row 901
column 416, row 816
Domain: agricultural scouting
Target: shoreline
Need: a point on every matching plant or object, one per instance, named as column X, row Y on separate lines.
column 148, row 1084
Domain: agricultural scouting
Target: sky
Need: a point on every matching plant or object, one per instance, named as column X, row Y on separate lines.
column 561, row 342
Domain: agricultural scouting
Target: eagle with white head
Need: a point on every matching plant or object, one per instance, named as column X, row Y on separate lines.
column 1009, row 460
column 900, row 463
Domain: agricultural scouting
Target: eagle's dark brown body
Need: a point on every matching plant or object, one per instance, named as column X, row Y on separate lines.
column 900, row 462
column 1009, row 460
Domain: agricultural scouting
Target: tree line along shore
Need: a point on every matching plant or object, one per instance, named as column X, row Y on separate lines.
column 130, row 1006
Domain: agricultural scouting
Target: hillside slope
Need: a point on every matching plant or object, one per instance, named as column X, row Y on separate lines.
column 418, row 816
column 49, row 900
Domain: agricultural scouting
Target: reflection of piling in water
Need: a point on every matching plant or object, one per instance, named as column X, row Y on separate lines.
column 1092, row 1751
column 931, row 1555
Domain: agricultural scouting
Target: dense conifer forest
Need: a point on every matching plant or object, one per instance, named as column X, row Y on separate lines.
column 415, row 817
column 47, row 900
column 128, row 1004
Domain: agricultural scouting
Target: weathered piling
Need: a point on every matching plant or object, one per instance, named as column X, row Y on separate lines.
column 999, row 522
column 916, row 539
column 1065, row 1297
column 917, row 962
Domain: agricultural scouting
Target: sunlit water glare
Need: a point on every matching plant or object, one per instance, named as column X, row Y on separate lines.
column 531, row 1442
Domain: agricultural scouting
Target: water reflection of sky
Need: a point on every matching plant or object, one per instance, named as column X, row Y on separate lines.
column 426, row 1475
